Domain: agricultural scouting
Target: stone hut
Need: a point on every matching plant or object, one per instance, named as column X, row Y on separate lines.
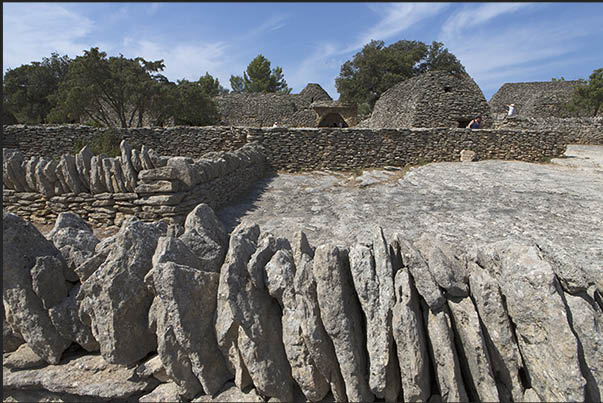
column 432, row 99
column 312, row 107
column 538, row 99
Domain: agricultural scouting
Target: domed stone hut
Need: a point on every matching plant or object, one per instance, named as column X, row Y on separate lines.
column 432, row 99
column 312, row 107
column 538, row 99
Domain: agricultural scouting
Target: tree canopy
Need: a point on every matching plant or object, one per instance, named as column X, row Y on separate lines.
column 29, row 90
column 587, row 98
column 258, row 77
column 377, row 67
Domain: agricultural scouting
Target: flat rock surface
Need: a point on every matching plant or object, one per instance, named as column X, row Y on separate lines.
column 558, row 205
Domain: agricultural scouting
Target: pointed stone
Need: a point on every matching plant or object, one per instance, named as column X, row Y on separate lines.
column 70, row 174
column 44, row 184
column 410, row 337
column 83, row 164
column 97, row 176
column 444, row 355
column 342, row 317
column 534, row 302
column 30, row 177
column 372, row 273
column 136, row 163
column 473, row 348
column 130, row 174
column 505, row 357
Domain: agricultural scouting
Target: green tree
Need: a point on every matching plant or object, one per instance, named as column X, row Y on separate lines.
column 194, row 106
column 211, row 85
column 237, row 84
column 587, row 98
column 109, row 91
column 29, row 91
column 376, row 68
column 258, row 77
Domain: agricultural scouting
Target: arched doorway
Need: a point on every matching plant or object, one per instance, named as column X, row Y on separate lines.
column 332, row 120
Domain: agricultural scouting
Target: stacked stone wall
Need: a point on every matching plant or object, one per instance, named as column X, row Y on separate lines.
column 575, row 130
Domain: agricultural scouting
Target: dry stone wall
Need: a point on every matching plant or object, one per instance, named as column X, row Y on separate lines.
column 575, row 130
column 139, row 183
column 172, row 313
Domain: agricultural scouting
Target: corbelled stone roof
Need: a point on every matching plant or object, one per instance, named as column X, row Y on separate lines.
column 262, row 110
column 432, row 99
column 538, row 99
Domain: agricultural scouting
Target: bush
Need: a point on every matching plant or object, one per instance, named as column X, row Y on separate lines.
column 105, row 143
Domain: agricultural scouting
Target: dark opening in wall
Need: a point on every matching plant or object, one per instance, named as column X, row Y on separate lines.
column 447, row 88
column 463, row 123
column 332, row 120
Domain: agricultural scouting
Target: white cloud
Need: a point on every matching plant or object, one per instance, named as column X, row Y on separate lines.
column 271, row 24
column 34, row 29
column 185, row 60
column 472, row 16
column 396, row 18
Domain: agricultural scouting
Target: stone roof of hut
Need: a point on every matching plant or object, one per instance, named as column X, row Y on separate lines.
column 538, row 99
column 432, row 99
column 261, row 109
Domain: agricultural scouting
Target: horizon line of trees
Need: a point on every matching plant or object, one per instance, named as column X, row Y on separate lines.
column 120, row 92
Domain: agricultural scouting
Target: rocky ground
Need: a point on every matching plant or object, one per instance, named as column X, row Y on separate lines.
column 558, row 205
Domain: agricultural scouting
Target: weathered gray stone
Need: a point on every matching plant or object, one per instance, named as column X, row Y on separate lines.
column 23, row 358
column 30, row 178
column 533, row 299
column 189, row 299
column 243, row 241
column 231, row 393
column 97, row 176
column 86, row 377
column 206, row 237
column 70, row 174
column 11, row 339
column 15, row 172
column 172, row 249
column 165, row 392
column 75, row 239
column 122, row 331
column 586, row 320
column 43, row 183
column 424, row 281
column 153, row 367
column 444, row 355
column 372, row 273
column 129, row 172
column 481, row 385
column 342, row 318
column 501, row 342
column 318, row 342
column 148, row 176
column 47, row 280
column 145, row 160
column 22, row 244
column 411, row 341
column 135, row 158
column 118, row 178
column 185, row 170
column 156, row 159
column 83, row 163
column 279, row 280
column 64, row 316
column 107, row 175
column 447, row 268
column 161, row 186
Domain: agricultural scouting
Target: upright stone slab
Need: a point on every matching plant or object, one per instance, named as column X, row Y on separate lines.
column 30, row 177
column 70, row 174
column 342, row 317
column 130, row 174
column 279, row 280
column 320, row 346
column 411, row 341
column 97, row 176
column 533, row 299
column 114, row 298
column 505, row 357
column 83, row 164
column 372, row 273
column 22, row 245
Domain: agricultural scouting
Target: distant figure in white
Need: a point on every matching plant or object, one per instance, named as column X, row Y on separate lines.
column 511, row 111
column 275, row 124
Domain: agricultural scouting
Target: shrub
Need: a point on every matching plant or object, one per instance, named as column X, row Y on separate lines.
column 105, row 143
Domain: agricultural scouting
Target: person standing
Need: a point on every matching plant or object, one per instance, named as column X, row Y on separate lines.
column 475, row 123
column 511, row 111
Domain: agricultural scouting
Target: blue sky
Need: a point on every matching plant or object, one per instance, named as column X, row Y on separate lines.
column 496, row 42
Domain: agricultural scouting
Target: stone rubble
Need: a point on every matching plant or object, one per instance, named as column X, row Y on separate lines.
column 190, row 314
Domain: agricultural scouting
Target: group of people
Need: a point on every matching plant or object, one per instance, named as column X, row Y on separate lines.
column 476, row 123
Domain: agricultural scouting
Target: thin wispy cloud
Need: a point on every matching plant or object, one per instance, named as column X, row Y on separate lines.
column 396, row 18
column 31, row 30
column 472, row 16
column 271, row 24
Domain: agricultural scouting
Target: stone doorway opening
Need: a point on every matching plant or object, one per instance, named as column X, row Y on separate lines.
column 332, row 120
column 463, row 123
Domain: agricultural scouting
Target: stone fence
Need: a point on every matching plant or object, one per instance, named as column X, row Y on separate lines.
column 104, row 190
column 577, row 130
